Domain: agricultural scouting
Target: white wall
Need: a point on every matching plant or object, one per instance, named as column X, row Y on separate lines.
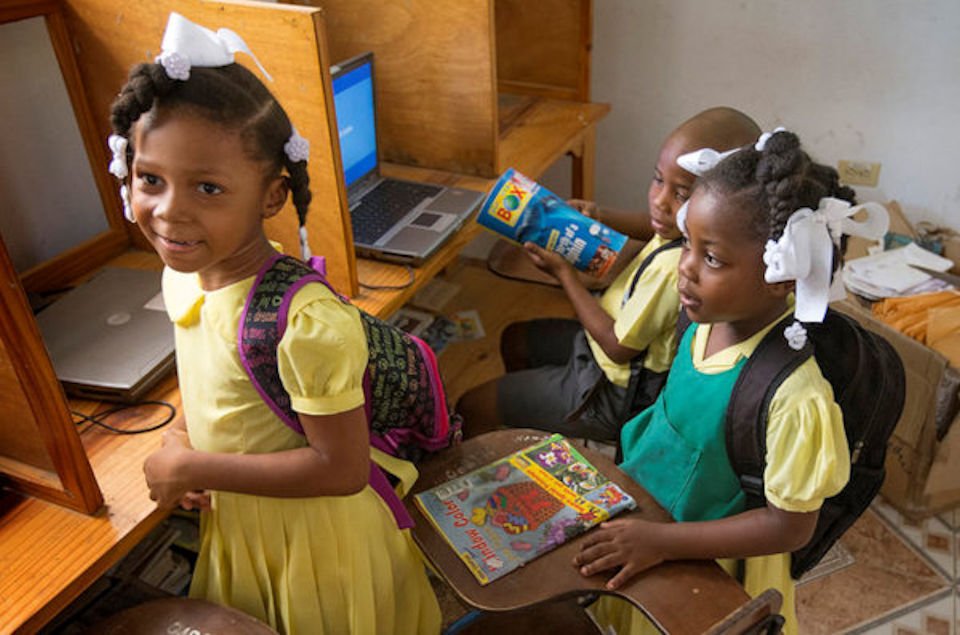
column 867, row 80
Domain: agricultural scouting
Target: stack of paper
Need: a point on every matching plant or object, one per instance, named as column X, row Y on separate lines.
column 888, row 274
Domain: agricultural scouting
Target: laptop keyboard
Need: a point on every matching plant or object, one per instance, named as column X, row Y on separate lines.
column 382, row 207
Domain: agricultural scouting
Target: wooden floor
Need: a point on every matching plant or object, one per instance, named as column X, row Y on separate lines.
column 499, row 302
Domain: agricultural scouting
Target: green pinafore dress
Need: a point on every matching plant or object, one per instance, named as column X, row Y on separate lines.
column 676, row 449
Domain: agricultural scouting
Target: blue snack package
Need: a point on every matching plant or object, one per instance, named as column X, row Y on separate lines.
column 522, row 210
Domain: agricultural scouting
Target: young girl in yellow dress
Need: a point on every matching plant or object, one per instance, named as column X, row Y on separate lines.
column 748, row 222
column 292, row 533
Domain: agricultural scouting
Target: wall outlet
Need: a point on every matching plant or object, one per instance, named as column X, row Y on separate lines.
column 859, row 172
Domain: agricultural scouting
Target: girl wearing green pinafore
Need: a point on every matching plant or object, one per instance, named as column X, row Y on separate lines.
column 739, row 230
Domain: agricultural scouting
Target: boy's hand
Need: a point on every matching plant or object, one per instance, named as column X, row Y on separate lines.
column 548, row 261
column 164, row 473
column 590, row 209
column 624, row 543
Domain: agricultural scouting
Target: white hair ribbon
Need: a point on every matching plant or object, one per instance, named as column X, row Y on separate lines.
column 762, row 141
column 701, row 161
column 186, row 45
column 804, row 252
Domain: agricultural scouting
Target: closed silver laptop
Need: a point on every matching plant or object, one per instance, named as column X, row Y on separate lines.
column 110, row 337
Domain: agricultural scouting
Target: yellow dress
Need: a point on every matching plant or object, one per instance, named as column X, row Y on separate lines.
column 807, row 462
column 646, row 319
column 307, row 566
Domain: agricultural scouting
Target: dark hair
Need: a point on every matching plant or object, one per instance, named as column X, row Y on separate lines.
column 773, row 183
column 228, row 95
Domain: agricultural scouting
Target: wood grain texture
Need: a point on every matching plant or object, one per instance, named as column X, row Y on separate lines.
column 543, row 47
column 110, row 36
column 435, row 77
column 38, row 440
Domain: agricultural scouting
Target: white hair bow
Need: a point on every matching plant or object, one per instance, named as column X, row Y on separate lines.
column 186, row 45
column 701, row 161
column 804, row 252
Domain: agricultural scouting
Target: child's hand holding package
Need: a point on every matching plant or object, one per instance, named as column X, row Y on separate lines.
column 524, row 211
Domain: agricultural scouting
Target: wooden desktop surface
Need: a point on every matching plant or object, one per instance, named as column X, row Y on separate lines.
column 49, row 554
column 681, row 597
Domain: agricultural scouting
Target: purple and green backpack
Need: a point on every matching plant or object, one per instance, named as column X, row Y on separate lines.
column 405, row 402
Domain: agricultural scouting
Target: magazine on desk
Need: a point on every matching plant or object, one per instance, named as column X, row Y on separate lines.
column 505, row 514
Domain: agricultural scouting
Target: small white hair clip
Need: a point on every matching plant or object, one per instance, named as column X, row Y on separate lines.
column 186, row 45
column 118, row 168
column 795, row 335
column 127, row 208
column 682, row 217
column 297, row 148
column 118, row 165
column 762, row 141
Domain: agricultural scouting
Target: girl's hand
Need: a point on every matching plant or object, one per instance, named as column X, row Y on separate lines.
column 548, row 261
column 164, row 470
column 197, row 499
column 624, row 543
column 590, row 209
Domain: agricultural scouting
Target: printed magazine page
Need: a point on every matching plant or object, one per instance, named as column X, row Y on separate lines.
column 502, row 515
column 523, row 210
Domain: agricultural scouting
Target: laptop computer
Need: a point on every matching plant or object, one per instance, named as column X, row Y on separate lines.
column 110, row 337
column 395, row 220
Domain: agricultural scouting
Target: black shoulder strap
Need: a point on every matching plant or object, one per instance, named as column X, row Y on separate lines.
column 746, row 420
column 673, row 244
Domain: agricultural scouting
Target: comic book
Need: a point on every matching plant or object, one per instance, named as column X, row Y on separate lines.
column 522, row 210
column 502, row 515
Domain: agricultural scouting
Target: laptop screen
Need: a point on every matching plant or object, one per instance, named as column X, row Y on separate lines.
column 356, row 117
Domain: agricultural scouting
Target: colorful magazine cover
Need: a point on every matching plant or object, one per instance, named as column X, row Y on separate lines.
column 502, row 515
column 523, row 210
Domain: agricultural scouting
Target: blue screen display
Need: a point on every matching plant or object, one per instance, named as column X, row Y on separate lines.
column 356, row 122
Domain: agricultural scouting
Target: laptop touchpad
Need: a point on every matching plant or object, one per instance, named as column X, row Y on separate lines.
column 453, row 201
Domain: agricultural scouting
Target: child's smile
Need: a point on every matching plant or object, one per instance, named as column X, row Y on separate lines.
column 200, row 199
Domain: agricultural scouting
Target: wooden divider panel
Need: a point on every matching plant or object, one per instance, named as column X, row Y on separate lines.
column 543, row 47
column 110, row 36
column 435, row 77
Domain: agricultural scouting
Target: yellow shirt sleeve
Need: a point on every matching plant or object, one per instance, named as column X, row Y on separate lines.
column 323, row 353
column 648, row 319
column 807, row 455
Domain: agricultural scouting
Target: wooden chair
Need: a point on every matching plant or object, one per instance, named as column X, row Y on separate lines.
column 181, row 615
column 682, row 597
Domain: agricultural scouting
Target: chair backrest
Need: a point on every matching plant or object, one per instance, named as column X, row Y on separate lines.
column 181, row 615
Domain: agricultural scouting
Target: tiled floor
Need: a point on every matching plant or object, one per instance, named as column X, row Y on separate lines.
column 903, row 579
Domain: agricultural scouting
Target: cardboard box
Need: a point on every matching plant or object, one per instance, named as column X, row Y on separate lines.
column 923, row 470
column 923, row 457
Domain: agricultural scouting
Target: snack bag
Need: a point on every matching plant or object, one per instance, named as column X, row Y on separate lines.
column 522, row 210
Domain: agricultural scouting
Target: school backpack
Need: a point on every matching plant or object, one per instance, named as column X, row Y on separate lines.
column 405, row 402
column 869, row 386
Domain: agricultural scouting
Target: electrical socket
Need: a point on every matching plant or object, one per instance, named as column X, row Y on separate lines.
column 859, row 172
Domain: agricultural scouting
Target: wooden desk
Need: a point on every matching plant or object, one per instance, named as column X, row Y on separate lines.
column 50, row 554
column 681, row 597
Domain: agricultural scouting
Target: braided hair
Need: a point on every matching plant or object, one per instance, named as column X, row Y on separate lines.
column 771, row 184
column 231, row 96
